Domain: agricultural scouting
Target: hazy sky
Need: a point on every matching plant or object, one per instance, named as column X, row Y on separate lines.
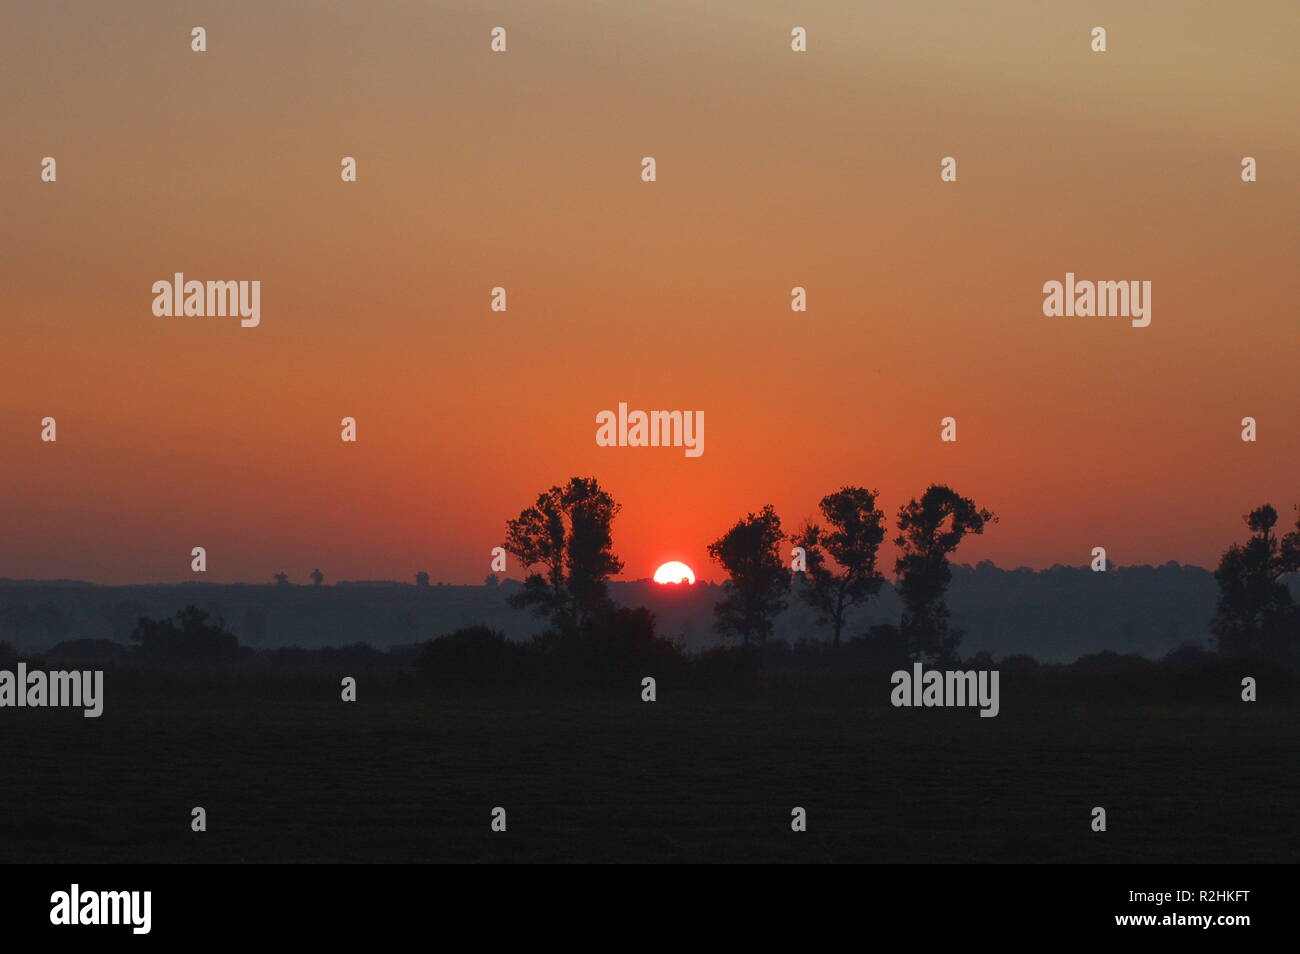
column 522, row 169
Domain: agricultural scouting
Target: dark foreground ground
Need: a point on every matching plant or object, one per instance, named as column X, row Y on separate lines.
column 404, row 774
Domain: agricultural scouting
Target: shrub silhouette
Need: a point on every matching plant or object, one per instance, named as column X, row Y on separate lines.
column 612, row 647
column 1018, row 662
column 471, row 656
column 195, row 640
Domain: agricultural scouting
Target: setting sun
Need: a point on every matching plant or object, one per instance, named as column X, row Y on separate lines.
column 674, row 572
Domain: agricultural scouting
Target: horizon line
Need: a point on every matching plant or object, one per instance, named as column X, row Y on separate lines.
column 1111, row 568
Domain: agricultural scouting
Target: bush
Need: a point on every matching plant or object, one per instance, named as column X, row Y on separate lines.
column 614, row 646
column 1019, row 662
column 195, row 640
column 471, row 656
column 1187, row 653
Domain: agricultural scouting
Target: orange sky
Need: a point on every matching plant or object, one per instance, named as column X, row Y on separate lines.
column 522, row 169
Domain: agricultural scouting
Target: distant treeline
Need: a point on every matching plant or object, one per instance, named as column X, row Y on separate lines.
column 614, row 651
column 1055, row 614
column 833, row 591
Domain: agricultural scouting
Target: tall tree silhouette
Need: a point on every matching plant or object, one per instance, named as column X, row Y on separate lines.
column 929, row 530
column 567, row 534
column 757, row 577
column 853, row 532
column 1255, row 614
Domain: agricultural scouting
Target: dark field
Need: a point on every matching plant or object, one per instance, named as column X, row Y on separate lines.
column 289, row 773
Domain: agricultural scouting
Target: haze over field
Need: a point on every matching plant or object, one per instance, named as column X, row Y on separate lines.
column 1055, row 615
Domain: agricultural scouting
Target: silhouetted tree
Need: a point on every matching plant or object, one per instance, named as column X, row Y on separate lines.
column 929, row 530
column 422, row 579
column 758, row 578
column 491, row 580
column 194, row 640
column 317, row 577
column 282, row 578
column 567, row 533
column 853, row 533
column 1255, row 614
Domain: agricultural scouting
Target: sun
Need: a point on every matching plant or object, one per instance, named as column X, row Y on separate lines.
column 674, row 572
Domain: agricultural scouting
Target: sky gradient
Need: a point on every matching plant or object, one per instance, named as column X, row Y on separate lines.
column 522, row 169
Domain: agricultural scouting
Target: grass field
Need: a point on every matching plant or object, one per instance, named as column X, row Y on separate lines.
column 412, row 777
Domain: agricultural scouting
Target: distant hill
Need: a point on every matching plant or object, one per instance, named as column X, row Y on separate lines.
column 1055, row 615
